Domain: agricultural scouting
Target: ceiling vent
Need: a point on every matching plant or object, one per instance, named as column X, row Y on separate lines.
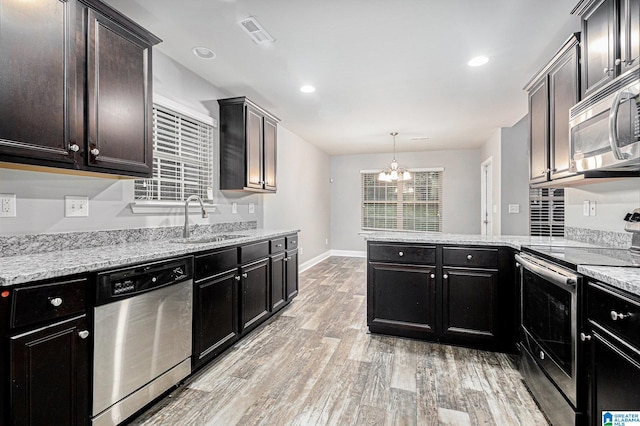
column 257, row 33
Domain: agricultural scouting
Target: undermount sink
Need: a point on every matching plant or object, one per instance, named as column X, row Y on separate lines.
column 208, row 239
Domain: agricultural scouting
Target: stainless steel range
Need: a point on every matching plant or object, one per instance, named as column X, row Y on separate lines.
column 550, row 294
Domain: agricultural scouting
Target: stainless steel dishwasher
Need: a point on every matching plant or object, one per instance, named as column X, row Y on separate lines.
column 142, row 336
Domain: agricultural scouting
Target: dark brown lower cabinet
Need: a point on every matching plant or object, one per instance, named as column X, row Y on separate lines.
column 254, row 295
column 215, row 316
column 401, row 300
column 49, row 374
column 469, row 303
column 278, row 282
column 291, row 273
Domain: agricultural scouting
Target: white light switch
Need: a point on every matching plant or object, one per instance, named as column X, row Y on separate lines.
column 252, row 208
column 234, row 207
column 75, row 206
column 585, row 208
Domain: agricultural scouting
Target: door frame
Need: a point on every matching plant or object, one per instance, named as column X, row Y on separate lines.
column 486, row 197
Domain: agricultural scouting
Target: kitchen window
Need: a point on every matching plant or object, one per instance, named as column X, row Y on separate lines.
column 410, row 205
column 183, row 158
column 546, row 209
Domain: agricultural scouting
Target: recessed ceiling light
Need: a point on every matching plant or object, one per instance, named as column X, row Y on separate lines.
column 478, row 61
column 307, row 88
column 203, row 52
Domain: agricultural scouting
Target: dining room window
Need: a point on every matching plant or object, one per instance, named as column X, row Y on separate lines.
column 414, row 204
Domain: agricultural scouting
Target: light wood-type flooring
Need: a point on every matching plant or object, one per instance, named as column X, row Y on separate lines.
column 316, row 364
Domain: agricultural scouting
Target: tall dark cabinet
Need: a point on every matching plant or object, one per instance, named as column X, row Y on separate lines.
column 248, row 146
column 75, row 82
column 552, row 91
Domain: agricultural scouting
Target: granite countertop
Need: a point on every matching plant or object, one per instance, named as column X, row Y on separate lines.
column 624, row 278
column 39, row 266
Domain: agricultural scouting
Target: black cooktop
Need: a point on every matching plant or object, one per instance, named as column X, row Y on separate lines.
column 595, row 256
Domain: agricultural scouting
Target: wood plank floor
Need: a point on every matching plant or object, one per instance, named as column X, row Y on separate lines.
column 316, row 364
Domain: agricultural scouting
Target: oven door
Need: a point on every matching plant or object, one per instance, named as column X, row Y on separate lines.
column 549, row 320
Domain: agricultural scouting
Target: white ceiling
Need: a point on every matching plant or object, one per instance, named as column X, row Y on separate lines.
column 378, row 65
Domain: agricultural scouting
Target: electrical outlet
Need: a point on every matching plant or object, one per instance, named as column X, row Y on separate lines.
column 301, row 250
column 252, row 208
column 7, row 205
column 234, row 208
column 592, row 208
column 75, row 206
column 585, row 208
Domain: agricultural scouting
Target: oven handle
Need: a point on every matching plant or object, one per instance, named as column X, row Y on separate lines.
column 568, row 281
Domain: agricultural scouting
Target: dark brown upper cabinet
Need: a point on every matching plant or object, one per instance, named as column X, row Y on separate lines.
column 610, row 40
column 248, row 146
column 75, row 94
column 552, row 91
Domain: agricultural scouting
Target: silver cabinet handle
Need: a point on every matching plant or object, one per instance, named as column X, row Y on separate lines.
column 56, row 301
column 541, row 355
column 469, row 257
column 95, row 152
column 616, row 316
column 445, row 276
column 237, row 277
column 286, row 259
column 585, row 337
column 618, row 61
column 432, row 275
column 607, row 71
column 400, row 254
column 74, row 147
column 245, row 275
column 278, row 245
column 83, row 334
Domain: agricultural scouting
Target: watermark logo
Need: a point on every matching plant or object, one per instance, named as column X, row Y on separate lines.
column 621, row 418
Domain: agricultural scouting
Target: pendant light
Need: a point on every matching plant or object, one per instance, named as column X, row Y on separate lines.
column 394, row 173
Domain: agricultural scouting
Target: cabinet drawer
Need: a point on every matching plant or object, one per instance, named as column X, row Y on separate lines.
column 254, row 251
column 425, row 255
column 292, row 242
column 470, row 257
column 277, row 245
column 211, row 264
column 46, row 302
column 605, row 304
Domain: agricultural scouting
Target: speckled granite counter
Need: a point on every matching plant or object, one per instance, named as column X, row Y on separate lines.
column 39, row 266
column 627, row 279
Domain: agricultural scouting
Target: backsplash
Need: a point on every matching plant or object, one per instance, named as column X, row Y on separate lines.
column 599, row 237
column 39, row 243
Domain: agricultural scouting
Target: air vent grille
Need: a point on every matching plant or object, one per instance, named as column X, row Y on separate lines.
column 256, row 31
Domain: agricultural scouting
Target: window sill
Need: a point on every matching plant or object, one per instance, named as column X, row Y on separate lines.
column 164, row 207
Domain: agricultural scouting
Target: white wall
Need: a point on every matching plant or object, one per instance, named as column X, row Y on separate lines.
column 303, row 200
column 613, row 200
column 492, row 149
column 515, row 178
column 461, row 191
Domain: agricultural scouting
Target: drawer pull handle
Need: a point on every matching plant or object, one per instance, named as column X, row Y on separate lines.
column 83, row 334
column 245, row 275
column 237, row 277
column 541, row 355
column 432, row 275
column 616, row 316
column 278, row 245
column 585, row 337
column 400, row 254
column 469, row 257
column 445, row 276
column 55, row 301
column 286, row 259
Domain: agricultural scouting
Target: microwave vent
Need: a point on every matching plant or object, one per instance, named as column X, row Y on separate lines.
column 613, row 87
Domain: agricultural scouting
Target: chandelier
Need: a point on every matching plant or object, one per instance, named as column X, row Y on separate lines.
column 394, row 173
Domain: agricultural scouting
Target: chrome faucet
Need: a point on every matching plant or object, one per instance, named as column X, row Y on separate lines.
column 185, row 231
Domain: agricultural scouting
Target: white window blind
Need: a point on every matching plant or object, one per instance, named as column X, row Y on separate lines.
column 183, row 158
column 410, row 205
column 546, row 207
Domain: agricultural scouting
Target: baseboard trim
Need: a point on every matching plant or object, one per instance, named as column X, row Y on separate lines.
column 312, row 262
column 349, row 253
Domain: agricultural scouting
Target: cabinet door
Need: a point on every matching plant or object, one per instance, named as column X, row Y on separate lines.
column 538, row 132
column 254, row 304
column 215, row 316
column 469, row 303
column 291, row 272
column 270, row 154
column 401, row 300
column 278, row 282
column 563, row 94
column 614, row 379
column 599, row 44
column 50, row 375
column 630, row 34
column 254, row 148
column 37, row 81
column 118, row 99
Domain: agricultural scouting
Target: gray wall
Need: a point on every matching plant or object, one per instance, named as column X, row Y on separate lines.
column 303, row 200
column 515, row 178
column 461, row 191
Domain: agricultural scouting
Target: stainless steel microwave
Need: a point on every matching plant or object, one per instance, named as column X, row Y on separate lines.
column 605, row 127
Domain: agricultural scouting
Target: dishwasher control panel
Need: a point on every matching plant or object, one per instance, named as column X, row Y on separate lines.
column 137, row 279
